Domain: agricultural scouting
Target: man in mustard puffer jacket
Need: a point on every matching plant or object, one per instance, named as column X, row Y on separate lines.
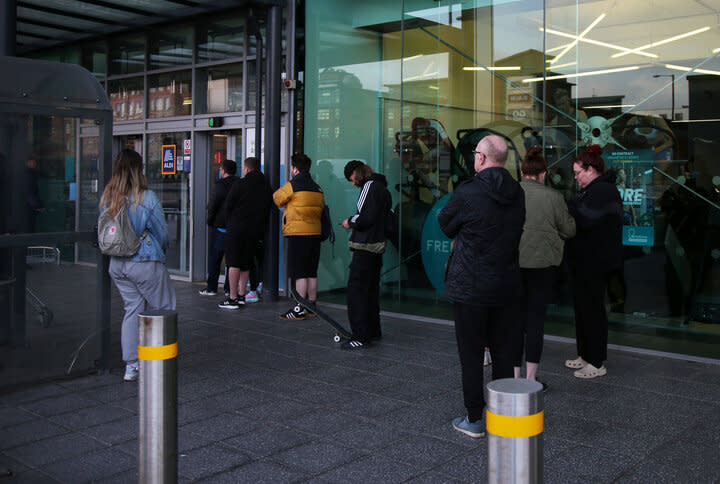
column 303, row 200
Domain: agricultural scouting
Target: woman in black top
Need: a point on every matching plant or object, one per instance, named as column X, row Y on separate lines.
column 595, row 251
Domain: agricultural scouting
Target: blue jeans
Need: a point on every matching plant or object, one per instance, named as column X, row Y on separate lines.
column 216, row 250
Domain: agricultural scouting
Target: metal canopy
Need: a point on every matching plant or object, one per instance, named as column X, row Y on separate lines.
column 44, row 23
column 50, row 84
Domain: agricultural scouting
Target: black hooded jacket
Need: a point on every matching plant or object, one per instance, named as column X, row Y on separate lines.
column 598, row 212
column 248, row 205
column 485, row 216
column 373, row 208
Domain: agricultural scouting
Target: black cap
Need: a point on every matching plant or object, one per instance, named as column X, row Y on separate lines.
column 351, row 166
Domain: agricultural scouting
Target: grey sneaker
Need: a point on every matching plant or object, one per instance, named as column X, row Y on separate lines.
column 474, row 430
column 131, row 372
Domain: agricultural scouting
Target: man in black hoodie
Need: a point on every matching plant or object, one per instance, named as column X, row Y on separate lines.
column 367, row 243
column 485, row 217
column 247, row 212
column 216, row 220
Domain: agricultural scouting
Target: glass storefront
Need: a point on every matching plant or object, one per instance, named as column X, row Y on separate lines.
column 411, row 87
column 169, row 178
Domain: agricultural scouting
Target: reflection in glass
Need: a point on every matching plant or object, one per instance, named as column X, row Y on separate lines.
column 86, row 193
column 170, row 47
column 219, row 89
column 170, row 94
column 220, row 38
column 127, row 97
column 127, row 55
column 174, row 193
column 93, row 57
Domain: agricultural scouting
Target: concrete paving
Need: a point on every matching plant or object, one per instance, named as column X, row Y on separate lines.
column 266, row 400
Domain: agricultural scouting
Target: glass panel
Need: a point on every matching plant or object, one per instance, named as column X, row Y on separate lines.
column 47, row 303
column 170, row 47
column 87, row 194
column 252, row 86
column 170, row 94
column 94, row 58
column 127, row 97
column 219, row 89
column 220, row 38
column 51, row 171
column 174, row 193
column 639, row 80
column 127, row 55
column 66, row 55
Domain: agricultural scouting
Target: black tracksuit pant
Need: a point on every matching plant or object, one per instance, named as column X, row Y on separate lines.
column 537, row 285
column 591, row 323
column 363, row 295
column 475, row 328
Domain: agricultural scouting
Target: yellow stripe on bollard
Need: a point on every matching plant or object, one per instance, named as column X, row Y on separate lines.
column 517, row 427
column 153, row 353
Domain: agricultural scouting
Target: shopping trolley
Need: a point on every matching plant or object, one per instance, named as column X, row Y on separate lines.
column 37, row 255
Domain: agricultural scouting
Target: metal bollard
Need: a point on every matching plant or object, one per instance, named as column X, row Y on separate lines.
column 514, row 426
column 157, row 354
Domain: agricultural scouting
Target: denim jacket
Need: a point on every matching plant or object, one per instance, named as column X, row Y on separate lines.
column 148, row 216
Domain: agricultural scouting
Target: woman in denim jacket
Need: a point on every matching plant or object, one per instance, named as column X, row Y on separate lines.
column 142, row 279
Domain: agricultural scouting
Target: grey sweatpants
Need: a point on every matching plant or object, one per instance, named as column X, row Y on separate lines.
column 142, row 285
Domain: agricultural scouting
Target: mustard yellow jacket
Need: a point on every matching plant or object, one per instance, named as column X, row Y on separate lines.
column 303, row 200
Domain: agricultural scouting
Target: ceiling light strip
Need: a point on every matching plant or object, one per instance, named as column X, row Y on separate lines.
column 690, row 69
column 664, row 41
column 583, row 74
column 597, row 42
column 582, row 35
column 478, row 68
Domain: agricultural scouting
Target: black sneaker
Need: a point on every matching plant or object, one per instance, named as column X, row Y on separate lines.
column 352, row 344
column 311, row 314
column 240, row 299
column 229, row 304
column 295, row 312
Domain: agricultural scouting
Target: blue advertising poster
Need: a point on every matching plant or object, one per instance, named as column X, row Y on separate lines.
column 634, row 182
column 168, row 160
column 436, row 246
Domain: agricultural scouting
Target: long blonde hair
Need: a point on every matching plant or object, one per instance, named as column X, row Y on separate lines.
column 127, row 180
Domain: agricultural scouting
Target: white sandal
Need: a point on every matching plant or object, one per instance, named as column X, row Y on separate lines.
column 589, row 371
column 576, row 364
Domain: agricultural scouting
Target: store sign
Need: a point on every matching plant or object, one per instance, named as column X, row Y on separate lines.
column 168, row 160
column 436, row 246
column 187, row 147
column 634, row 182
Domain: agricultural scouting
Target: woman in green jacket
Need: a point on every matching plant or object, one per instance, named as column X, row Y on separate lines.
column 547, row 224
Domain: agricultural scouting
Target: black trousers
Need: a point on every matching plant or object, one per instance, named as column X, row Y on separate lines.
column 591, row 323
column 363, row 295
column 256, row 268
column 475, row 328
column 216, row 251
column 537, row 285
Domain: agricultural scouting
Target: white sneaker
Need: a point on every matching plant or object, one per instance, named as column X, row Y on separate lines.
column 589, row 371
column 206, row 292
column 259, row 289
column 252, row 297
column 131, row 372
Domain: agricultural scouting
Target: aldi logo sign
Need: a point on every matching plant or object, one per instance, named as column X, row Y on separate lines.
column 168, row 160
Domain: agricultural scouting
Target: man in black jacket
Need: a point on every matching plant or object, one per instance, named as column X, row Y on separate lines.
column 216, row 220
column 485, row 217
column 367, row 243
column 247, row 211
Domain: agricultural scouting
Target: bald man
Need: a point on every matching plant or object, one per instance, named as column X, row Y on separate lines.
column 485, row 217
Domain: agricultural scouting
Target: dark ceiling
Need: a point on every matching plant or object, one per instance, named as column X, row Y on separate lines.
column 43, row 23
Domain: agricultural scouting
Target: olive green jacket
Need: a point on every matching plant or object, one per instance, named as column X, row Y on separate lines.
column 547, row 224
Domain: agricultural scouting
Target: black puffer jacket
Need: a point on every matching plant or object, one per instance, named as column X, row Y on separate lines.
column 597, row 209
column 216, row 205
column 485, row 216
column 373, row 208
column 248, row 205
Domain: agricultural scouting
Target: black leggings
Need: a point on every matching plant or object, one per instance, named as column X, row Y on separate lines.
column 537, row 289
